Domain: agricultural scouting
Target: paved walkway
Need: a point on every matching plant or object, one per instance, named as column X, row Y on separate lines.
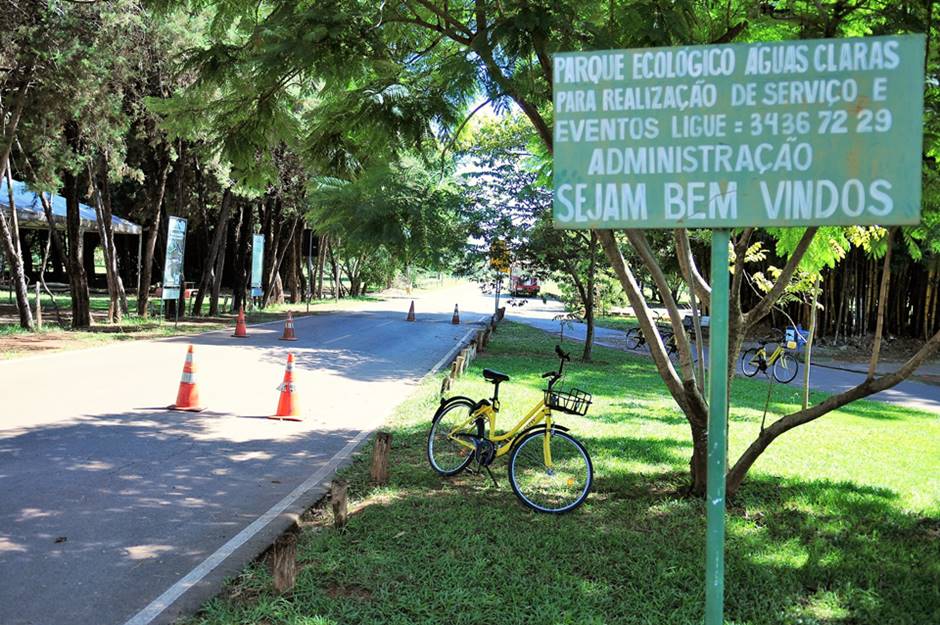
column 114, row 510
column 908, row 393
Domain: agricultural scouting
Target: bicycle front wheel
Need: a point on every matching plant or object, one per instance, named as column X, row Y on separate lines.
column 559, row 485
column 633, row 338
column 750, row 363
column 450, row 447
column 785, row 368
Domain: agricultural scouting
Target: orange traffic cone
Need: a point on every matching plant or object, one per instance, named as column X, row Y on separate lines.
column 287, row 408
column 456, row 318
column 187, row 398
column 241, row 330
column 411, row 312
column 289, row 328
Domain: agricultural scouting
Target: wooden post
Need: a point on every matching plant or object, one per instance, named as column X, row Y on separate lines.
column 453, row 370
column 338, row 491
column 379, row 470
column 479, row 341
column 445, row 384
column 284, row 562
column 458, row 366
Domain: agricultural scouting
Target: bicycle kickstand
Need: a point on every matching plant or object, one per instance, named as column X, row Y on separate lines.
column 490, row 473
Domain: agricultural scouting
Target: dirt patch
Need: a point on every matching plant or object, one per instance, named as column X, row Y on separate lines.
column 352, row 591
column 858, row 349
column 35, row 343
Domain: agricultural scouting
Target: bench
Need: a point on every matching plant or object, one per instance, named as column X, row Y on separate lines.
column 704, row 321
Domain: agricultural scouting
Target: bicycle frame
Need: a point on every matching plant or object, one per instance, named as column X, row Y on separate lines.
column 540, row 413
column 770, row 360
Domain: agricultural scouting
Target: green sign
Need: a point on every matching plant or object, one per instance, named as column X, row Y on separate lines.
column 788, row 133
column 257, row 264
column 175, row 252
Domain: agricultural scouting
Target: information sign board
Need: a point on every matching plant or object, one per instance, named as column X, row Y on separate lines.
column 788, row 133
column 257, row 264
column 175, row 253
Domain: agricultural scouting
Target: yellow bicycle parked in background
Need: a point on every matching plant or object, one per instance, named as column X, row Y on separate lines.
column 549, row 470
column 783, row 366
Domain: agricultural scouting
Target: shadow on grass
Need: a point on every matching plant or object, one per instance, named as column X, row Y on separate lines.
column 429, row 550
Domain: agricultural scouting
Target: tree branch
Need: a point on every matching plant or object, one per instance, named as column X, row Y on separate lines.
column 447, row 17
column 869, row 387
column 645, row 318
column 481, row 45
column 740, row 248
column 641, row 245
column 733, row 31
column 688, row 267
column 763, row 307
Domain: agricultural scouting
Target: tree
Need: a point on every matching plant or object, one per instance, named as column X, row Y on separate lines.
column 503, row 51
column 401, row 208
column 510, row 202
column 82, row 112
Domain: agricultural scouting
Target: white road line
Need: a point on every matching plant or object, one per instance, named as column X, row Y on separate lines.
column 174, row 592
column 338, row 338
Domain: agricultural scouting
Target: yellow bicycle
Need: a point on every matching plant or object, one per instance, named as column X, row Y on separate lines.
column 549, row 469
column 782, row 364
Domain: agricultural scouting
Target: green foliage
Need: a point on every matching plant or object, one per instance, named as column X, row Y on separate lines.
column 608, row 294
column 400, row 206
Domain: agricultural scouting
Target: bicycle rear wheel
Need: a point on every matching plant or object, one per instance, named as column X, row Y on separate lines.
column 785, row 368
column 633, row 338
column 451, row 425
column 750, row 362
column 558, row 488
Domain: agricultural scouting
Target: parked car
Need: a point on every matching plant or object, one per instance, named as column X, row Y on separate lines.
column 524, row 286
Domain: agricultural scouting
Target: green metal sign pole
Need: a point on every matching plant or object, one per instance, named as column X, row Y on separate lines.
column 717, row 422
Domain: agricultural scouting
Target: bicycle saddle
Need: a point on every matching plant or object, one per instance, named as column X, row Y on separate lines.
column 494, row 376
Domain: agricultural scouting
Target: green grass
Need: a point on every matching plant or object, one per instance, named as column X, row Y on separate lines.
column 838, row 523
column 617, row 322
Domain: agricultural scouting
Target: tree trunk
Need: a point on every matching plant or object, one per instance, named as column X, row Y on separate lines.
column 102, row 193
column 321, row 262
column 882, row 302
column 217, row 274
column 78, row 279
column 294, row 274
column 809, row 343
column 153, row 228
column 589, row 301
column 11, row 244
column 698, row 463
column 242, row 258
column 209, row 277
column 281, row 249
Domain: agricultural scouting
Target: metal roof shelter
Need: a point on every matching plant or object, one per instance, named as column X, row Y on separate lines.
column 30, row 215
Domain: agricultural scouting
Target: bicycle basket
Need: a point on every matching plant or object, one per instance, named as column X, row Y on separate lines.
column 573, row 401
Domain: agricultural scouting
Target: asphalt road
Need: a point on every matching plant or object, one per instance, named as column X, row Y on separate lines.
column 115, row 510
column 910, row 394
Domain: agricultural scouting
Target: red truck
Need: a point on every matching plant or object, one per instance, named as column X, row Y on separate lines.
column 524, row 286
